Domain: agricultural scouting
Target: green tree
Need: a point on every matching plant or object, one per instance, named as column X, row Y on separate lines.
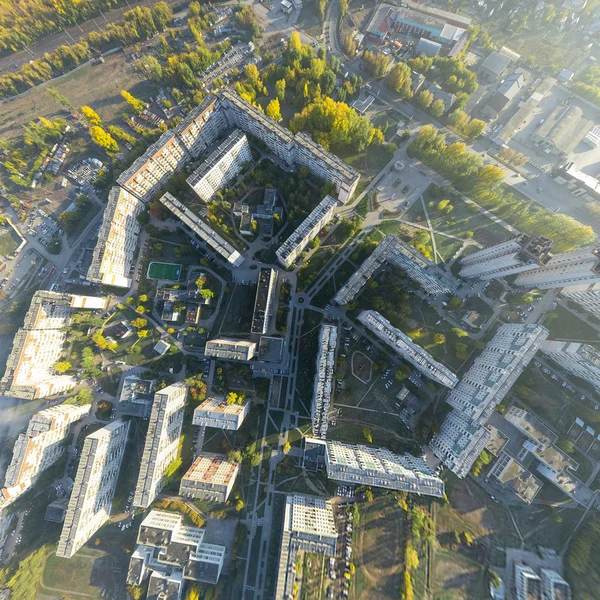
column 437, row 108
column 439, row 338
column 343, row 7
column 207, row 294
column 280, row 86
column 400, row 81
column 402, row 373
column 273, row 110
column 474, row 129
column 424, row 98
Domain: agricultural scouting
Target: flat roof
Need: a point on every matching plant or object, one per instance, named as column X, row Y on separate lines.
column 217, row 404
column 212, row 468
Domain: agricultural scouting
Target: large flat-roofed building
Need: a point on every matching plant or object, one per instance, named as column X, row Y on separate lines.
column 496, row 369
column 38, row 345
column 291, row 249
column 358, row 464
column 210, row 477
column 579, row 359
column 580, row 184
column 323, row 386
column 562, row 130
column 221, row 166
column 492, row 67
column 114, row 254
column 459, row 442
column 168, row 549
column 230, row 349
column 39, row 447
column 519, row 254
column 578, row 267
column 95, row 482
column 308, row 526
column 264, row 301
column 587, row 296
column 206, row 233
column 136, row 396
column 514, row 476
column 162, row 442
column 507, row 91
column 407, row 349
column 215, row 412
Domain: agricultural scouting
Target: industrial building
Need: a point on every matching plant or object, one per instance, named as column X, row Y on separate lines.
column 211, row 477
column 578, row 267
column 264, row 303
column 136, row 396
column 221, row 166
column 582, row 360
column 291, row 249
column 215, row 412
column 162, row 442
column 230, row 349
column 519, row 254
column 170, row 553
column 323, row 386
column 560, row 133
column 38, row 345
column 204, row 231
column 407, row 349
column 95, row 482
column 358, row 464
column 504, row 95
column 492, row 67
column 587, row 296
column 577, row 182
column 308, row 526
column 39, row 447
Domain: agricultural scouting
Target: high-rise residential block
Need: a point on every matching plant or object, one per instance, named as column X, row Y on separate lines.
column 513, row 256
column 323, row 386
column 407, row 349
column 528, row 584
column 210, row 477
column 95, row 482
column 579, row 359
column 215, row 412
column 162, row 442
column 230, row 349
column 264, row 301
column 587, row 296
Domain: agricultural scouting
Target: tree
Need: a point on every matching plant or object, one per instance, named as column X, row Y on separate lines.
column 143, row 333
column 439, row 338
column 460, row 351
column 458, row 119
column 207, row 294
column 485, row 458
column 141, row 309
column 437, row 108
column 474, row 129
column 273, row 110
column 137, row 105
column 406, row 589
column 280, row 85
column 62, row 366
column 350, row 45
column 411, row 557
column 376, row 63
column 139, row 323
column 566, row 445
column 92, row 117
column 251, row 72
column 103, row 139
column 400, row 81
column 455, row 301
column 367, row 435
column 239, row 505
column 343, row 7
column 286, row 448
column 424, row 98
column 402, row 373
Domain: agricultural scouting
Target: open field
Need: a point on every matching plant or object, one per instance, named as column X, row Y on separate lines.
column 78, row 575
column 166, row 271
column 9, row 242
column 564, row 325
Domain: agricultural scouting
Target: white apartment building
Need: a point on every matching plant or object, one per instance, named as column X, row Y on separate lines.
column 587, row 296
column 459, row 442
column 579, row 359
column 554, row 587
column 215, row 412
column 114, row 254
column 323, row 386
column 528, row 584
column 495, row 370
column 210, row 477
column 202, row 230
column 308, row 526
column 264, row 301
column 201, row 126
column 39, row 447
column 230, row 349
column 578, row 267
column 358, row 464
column 91, row 499
column 522, row 253
column 162, row 442
column 221, row 166
column 291, row 249
column 407, row 349
column 38, row 346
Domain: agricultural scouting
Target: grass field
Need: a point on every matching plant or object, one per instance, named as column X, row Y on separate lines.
column 76, row 575
column 9, row 242
column 563, row 324
column 166, row 271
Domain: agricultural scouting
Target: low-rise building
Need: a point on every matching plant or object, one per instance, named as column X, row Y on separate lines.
column 407, row 349
column 514, row 476
column 230, row 349
column 562, row 131
column 580, row 184
column 161, row 347
column 323, row 386
column 492, row 67
column 215, row 412
column 507, row 91
column 264, row 301
column 210, row 477
column 136, row 396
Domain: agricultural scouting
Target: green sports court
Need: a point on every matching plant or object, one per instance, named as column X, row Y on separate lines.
column 166, row 271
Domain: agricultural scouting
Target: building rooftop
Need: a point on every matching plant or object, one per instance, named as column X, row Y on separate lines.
column 212, row 468
column 495, row 63
column 311, row 515
column 564, row 128
column 515, row 476
column 217, row 404
column 531, row 426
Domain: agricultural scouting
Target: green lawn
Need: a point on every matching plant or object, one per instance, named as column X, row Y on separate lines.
column 166, row 271
column 563, row 324
column 73, row 575
column 9, row 242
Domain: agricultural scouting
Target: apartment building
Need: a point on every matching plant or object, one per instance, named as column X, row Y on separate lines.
column 136, row 396
column 358, row 464
column 308, row 526
column 323, row 386
column 578, row 267
column 459, row 442
column 579, row 359
column 170, row 553
column 291, row 249
column 39, row 447
column 162, row 442
column 528, row 584
column 264, row 303
column 519, row 254
column 91, row 499
column 115, row 251
column 221, row 166
column 495, row 370
column 210, row 477
column 38, row 346
column 554, row 587
column 230, row 349
column 587, row 296
column 201, row 126
column 407, row 349
column 202, row 230
column 215, row 412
